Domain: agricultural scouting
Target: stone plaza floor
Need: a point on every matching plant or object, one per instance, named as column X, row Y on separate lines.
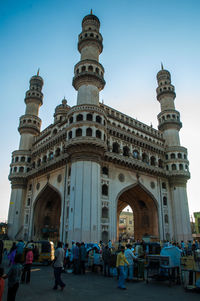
column 95, row 287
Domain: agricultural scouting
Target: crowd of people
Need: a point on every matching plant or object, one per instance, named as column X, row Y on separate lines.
column 110, row 260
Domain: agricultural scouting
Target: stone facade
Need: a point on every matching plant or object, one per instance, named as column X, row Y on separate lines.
column 72, row 180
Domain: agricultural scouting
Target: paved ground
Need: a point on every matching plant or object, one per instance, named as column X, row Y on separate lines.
column 94, row 287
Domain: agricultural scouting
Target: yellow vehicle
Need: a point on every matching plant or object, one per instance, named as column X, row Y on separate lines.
column 43, row 251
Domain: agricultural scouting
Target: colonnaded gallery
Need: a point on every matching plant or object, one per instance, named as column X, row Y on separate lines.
column 72, row 180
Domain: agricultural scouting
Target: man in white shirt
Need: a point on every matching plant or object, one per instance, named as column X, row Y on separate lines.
column 58, row 265
column 130, row 258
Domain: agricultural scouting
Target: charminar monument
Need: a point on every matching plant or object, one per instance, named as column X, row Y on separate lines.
column 73, row 179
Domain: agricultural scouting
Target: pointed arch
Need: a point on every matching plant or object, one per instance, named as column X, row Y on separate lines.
column 46, row 214
column 144, row 206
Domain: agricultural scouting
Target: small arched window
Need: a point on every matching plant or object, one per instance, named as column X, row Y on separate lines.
column 51, row 156
column 89, row 132
column 90, row 68
column 172, row 156
column 98, row 119
column 115, row 148
column 57, row 152
column 164, row 201
column 164, row 185
column 83, row 68
column 22, row 159
column 181, row 166
column 71, row 119
column 21, row 169
column 28, row 202
column 105, row 170
column 179, row 155
column 98, row 134
column 173, row 166
column 145, row 158
column 135, row 154
column 55, row 131
column 79, row 117
column 166, row 219
column 38, row 162
column 78, row 132
column 160, row 163
column 105, row 189
column 70, row 135
column 125, row 151
column 153, row 161
column 44, row 159
column 89, row 117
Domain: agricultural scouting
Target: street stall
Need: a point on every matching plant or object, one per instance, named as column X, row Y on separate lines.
column 164, row 267
column 190, row 272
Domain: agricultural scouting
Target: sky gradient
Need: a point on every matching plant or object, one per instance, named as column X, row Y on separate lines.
column 138, row 35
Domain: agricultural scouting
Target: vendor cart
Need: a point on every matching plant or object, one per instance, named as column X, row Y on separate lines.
column 160, row 268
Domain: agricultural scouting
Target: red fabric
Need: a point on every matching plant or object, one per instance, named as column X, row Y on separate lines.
column 29, row 257
column 2, row 282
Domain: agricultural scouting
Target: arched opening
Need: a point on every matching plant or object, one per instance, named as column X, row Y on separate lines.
column 57, row 154
column 98, row 119
column 145, row 158
column 145, row 212
column 105, row 170
column 135, row 154
column 125, row 151
column 115, row 148
column 78, row 132
column 79, row 117
column 89, row 132
column 153, row 161
column 98, row 134
column 89, row 117
column 46, row 219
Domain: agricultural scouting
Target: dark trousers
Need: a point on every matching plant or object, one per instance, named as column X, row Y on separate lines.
column 82, row 267
column 26, row 274
column 76, row 266
column 106, row 268
column 57, row 275
column 12, row 292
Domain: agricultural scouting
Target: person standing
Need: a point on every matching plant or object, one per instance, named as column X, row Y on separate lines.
column 106, row 256
column 121, row 260
column 12, row 253
column 58, row 266
column 83, row 257
column 26, row 274
column 14, row 276
column 76, row 261
column 130, row 258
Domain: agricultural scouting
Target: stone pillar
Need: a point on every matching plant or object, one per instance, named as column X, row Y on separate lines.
column 85, row 203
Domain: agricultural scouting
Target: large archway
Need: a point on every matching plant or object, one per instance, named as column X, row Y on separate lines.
column 144, row 208
column 46, row 218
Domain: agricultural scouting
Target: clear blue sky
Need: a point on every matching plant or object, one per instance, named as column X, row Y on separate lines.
column 138, row 35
